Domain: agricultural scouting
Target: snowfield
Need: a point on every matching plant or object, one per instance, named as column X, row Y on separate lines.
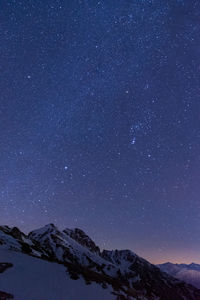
column 35, row 279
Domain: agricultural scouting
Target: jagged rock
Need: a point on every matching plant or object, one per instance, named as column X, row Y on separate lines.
column 16, row 233
column 82, row 238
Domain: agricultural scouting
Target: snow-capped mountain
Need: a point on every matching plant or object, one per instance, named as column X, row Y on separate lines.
column 188, row 273
column 49, row 264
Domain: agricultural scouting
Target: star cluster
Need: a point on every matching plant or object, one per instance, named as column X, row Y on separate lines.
column 100, row 121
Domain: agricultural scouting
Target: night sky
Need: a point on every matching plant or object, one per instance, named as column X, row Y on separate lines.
column 100, row 121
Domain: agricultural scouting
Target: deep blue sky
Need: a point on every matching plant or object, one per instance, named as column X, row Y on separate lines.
column 100, row 121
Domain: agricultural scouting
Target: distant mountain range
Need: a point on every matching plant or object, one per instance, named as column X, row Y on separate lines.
column 188, row 273
column 49, row 264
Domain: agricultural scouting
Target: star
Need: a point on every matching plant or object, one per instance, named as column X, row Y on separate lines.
column 133, row 141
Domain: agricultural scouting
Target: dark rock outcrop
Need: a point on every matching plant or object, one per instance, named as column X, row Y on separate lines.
column 5, row 266
column 5, row 296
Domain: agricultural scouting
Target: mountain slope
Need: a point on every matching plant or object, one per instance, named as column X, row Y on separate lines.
column 188, row 273
column 53, row 282
column 68, row 262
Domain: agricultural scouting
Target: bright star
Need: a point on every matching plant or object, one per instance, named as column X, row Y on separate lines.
column 133, row 141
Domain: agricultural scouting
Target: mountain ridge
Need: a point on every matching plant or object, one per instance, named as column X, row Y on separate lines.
column 126, row 274
column 189, row 273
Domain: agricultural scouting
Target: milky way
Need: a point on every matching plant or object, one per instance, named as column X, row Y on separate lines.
column 100, row 121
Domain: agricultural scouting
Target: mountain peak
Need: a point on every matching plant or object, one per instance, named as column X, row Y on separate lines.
column 43, row 230
column 49, row 226
column 82, row 238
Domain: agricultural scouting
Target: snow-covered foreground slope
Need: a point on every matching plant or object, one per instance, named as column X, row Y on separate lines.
column 35, row 279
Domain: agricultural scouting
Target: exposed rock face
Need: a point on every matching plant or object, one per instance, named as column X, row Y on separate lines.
column 82, row 238
column 119, row 256
column 130, row 276
column 14, row 232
